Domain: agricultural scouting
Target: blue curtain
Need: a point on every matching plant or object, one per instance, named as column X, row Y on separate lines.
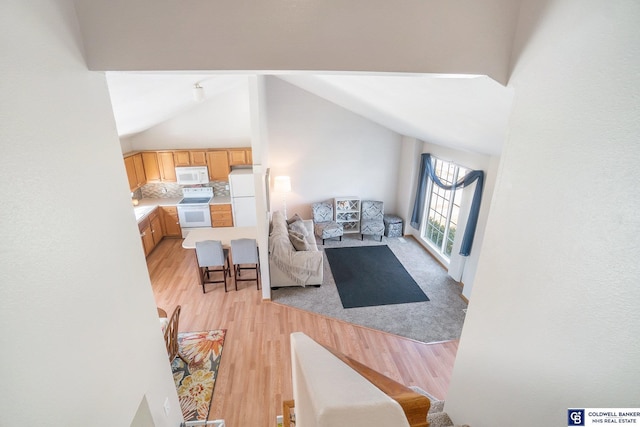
column 426, row 172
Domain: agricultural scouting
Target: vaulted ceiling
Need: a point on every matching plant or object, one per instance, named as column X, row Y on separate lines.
column 405, row 59
column 466, row 112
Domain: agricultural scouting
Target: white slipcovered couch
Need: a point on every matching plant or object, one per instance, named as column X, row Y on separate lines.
column 329, row 393
column 287, row 265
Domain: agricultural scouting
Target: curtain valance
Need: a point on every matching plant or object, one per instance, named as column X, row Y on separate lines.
column 427, row 171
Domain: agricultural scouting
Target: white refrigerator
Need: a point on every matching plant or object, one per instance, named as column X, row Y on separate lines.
column 243, row 200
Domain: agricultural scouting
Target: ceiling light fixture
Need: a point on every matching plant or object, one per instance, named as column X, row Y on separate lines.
column 198, row 92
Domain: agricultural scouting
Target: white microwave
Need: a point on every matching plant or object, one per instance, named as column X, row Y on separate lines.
column 189, row 175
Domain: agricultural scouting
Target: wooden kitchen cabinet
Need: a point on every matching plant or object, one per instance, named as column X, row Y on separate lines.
column 151, row 231
column 221, row 215
column 131, row 172
column 218, row 162
column 135, row 171
column 167, row 166
column 139, row 167
column 181, row 158
column 171, row 221
column 151, row 168
column 156, row 227
column 159, row 166
column 147, row 237
column 238, row 156
column 198, row 158
column 190, row 158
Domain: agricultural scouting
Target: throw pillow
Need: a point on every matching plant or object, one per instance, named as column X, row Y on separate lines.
column 298, row 241
column 299, row 227
column 293, row 219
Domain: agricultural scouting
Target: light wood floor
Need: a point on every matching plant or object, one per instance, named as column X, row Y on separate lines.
column 255, row 372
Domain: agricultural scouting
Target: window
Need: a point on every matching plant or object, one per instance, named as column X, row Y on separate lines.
column 443, row 208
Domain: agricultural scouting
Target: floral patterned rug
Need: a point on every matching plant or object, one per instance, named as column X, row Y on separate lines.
column 195, row 381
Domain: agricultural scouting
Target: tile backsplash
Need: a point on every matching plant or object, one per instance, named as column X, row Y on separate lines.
column 161, row 190
column 220, row 188
column 167, row 190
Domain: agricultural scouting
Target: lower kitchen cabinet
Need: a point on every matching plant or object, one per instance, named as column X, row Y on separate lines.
column 171, row 221
column 221, row 215
column 150, row 231
column 156, row 227
column 145, row 234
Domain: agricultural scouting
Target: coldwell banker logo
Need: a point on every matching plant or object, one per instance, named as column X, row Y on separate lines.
column 597, row 416
column 575, row 417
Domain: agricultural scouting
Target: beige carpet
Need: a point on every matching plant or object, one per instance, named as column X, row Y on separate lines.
column 436, row 416
column 439, row 319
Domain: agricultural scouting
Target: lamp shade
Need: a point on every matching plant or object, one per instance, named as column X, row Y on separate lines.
column 282, row 184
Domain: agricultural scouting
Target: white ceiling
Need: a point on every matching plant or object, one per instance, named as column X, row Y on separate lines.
column 142, row 100
column 463, row 112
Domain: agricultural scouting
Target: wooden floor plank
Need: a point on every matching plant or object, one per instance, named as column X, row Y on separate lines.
column 255, row 371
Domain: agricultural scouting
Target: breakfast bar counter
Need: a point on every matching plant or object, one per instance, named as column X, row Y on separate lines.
column 223, row 234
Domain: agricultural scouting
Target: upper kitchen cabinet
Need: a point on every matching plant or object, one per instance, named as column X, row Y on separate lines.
column 131, row 173
column 135, row 171
column 151, row 168
column 240, row 156
column 181, row 158
column 190, row 158
column 198, row 158
column 167, row 166
column 159, row 166
column 218, row 162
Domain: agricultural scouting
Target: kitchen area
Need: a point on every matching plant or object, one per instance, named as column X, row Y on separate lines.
column 174, row 192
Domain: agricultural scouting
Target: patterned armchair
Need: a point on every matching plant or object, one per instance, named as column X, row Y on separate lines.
column 371, row 222
column 323, row 224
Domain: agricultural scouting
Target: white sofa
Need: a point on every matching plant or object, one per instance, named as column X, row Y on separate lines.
column 288, row 266
column 329, row 393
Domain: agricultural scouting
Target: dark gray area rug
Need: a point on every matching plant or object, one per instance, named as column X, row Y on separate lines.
column 371, row 275
column 439, row 319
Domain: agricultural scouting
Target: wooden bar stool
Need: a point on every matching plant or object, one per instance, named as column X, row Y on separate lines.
column 212, row 258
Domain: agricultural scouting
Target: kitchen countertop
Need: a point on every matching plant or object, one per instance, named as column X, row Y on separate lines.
column 145, row 206
column 223, row 234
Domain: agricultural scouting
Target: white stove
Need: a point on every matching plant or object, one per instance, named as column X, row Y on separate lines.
column 196, row 195
column 193, row 209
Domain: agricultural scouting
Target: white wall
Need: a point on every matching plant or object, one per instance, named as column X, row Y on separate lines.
column 80, row 337
column 407, row 179
column 260, row 156
column 125, row 144
column 327, row 151
column 491, row 167
column 221, row 121
column 376, row 35
column 553, row 320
